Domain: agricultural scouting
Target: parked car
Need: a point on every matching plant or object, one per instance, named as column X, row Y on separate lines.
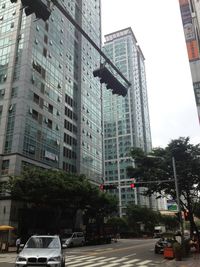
column 74, row 239
column 162, row 243
column 41, row 250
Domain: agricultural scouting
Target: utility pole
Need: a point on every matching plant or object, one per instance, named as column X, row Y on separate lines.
column 178, row 198
column 177, row 194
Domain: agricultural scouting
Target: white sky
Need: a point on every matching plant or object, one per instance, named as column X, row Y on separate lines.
column 158, row 29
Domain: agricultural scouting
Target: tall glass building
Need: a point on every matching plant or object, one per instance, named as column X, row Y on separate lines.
column 126, row 119
column 50, row 104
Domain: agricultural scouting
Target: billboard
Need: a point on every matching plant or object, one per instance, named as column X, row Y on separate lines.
column 189, row 31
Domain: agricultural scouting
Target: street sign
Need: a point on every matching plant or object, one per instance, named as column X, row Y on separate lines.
column 172, row 205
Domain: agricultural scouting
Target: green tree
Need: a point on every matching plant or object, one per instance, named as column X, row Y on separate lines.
column 159, row 168
column 170, row 222
column 57, row 191
column 117, row 224
column 137, row 215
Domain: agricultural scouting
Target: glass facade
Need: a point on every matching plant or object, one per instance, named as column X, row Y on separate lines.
column 126, row 119
column 50, row 104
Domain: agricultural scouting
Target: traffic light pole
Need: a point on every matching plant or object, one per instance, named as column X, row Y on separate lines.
column 178, row 198
column 78, row 27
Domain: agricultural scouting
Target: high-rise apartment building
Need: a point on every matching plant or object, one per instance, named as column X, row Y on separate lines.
column 126, row 119
column 50, row 104
column 190, row 14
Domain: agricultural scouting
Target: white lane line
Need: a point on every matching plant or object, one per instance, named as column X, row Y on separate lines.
column 130, row 255
column 95, row 264
column 77, row 258
column 109, row 259
column 142, row 263
column 80, row 257
column 120, row 260
column 132, row 261
column 112, row 264
column 87, row 262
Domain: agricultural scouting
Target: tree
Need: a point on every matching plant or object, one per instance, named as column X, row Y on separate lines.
column 159, row 168
column 137, row 215
column 117, row 224
column 170, row 222
column 53, row 192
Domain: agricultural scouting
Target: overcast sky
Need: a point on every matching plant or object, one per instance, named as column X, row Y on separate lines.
column 158, row 29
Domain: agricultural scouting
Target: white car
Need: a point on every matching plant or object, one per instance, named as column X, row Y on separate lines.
column 41, row 250
column 74, row 239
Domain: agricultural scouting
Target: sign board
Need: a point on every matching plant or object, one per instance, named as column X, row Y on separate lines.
column 171, row 205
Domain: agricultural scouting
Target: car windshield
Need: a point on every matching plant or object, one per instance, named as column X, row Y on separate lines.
column 67, row 235
column 43, row 242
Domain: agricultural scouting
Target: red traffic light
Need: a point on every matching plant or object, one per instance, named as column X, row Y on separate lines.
column 132, row 185
column 186, row 215
column 101, row 187
column 107, row 186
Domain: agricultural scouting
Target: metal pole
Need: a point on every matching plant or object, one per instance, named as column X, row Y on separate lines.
column 78, row 27
column 178, row 198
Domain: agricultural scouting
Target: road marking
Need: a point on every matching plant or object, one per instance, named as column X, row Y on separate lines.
column 130, row 255
column 143, row 263
column 119, row 260
column 96, row 264
column 80, row 258
column 112, row 264
column 132, row 261
column 109, row 259
column 118, row 249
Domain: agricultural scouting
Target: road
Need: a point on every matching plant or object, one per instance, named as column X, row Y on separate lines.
column 126, row 253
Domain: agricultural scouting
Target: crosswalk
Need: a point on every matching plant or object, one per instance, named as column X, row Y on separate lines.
column 94, row 261
column 8, row 258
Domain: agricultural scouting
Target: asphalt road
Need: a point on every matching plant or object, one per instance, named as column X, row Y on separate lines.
column 126, row 252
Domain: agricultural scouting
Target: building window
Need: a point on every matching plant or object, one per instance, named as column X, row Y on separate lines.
column 5, row 166
column 36, row 98
column 14, row 92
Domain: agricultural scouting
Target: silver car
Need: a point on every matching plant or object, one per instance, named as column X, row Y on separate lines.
column 40, row 251
column 74, row 239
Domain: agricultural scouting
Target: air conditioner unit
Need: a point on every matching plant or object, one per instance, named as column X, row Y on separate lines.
column 46, row 104
column 11, row 108
column 57, row 142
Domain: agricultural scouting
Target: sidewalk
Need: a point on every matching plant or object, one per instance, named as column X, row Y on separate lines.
column 186, row 262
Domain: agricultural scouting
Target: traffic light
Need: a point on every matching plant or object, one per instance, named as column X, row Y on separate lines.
column 107, row 186
column 111, row 82
column 134, row 185
column 41, row 10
